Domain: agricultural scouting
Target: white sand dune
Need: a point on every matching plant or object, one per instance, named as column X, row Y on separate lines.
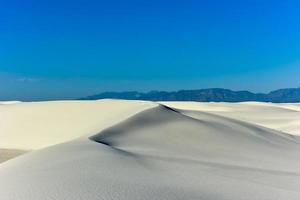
column 281, row 117
column 40, row 124
column 149, row 151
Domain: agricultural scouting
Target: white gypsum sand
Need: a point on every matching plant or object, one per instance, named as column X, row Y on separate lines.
column 36, row 125
column 282, row 117
column 146, row 150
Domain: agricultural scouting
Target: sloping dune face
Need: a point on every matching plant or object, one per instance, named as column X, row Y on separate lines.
column 41, row 124
column 162, row 131
column 162, row 153
column 282, row 117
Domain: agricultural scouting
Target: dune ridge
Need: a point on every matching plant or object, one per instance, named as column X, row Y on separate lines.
column 283, row 117
column 164, row 131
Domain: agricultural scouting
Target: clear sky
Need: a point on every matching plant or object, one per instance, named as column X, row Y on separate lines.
column 73, row 48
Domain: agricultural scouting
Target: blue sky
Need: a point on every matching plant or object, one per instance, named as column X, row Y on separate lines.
column 56, row 49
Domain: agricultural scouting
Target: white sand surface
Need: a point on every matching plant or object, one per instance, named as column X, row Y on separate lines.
column 281, row 117
column 146, row 151
column 9, row 102
column 39, row 124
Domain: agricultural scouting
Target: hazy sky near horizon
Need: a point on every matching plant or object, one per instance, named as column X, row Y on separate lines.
column 56, row 49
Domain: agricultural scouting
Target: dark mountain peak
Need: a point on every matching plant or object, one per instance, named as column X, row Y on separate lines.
column 285, row 95
column 286, row 90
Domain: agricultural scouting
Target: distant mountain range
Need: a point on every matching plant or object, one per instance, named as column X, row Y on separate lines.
column 288, row 95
